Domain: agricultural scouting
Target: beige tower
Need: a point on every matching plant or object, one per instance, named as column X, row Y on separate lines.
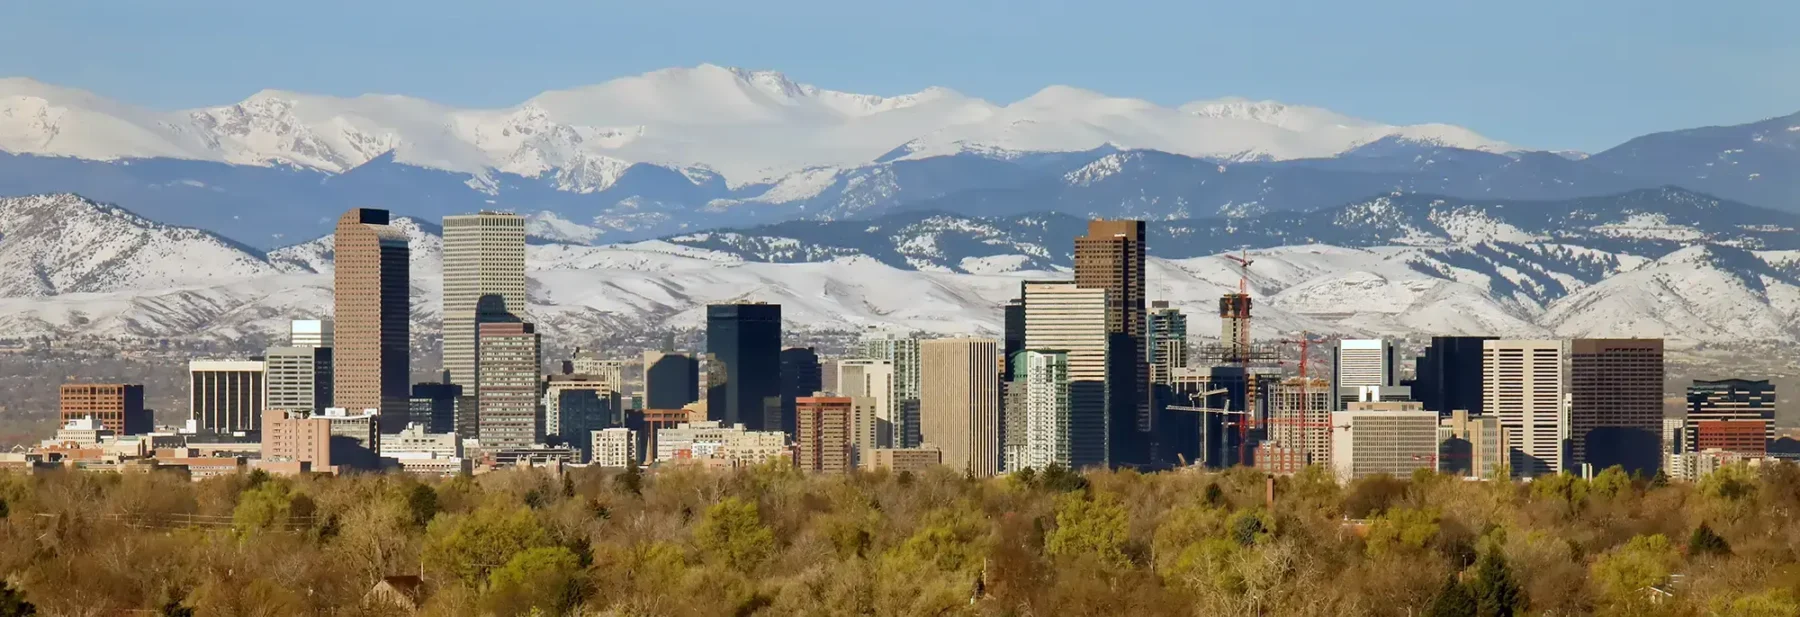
column 371, row 363
column 1526, row 384
column 959, row 409
column 1060, row 316
column 484, row 281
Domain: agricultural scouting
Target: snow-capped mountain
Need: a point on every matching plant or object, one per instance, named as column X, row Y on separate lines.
column 752, row 126
column 1698, row 271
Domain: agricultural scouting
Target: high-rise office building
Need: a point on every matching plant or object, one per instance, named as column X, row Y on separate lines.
column 1357, row 363
column 743, row 348
column 116, row 407
column 434, row 406
column 959, row 412
column 1060, row 316
column 1616, row 404
column 801, row 375
column 1366, row 442
column 1111, row 257
column 1014, row 340
column 577, row 405
column 309, row 333
column 1165, row 342
column 484, row 281
column 507, row 394
column 1471, row 446
column 823, row 433
column 1042, row 380
column 371, row 337
column 226, row 396
column 671, row 380
column 872, row 381
column 903, row 353
column 1448, row 376
column 1721, row 408
column 1525, row 384
column 298, row 379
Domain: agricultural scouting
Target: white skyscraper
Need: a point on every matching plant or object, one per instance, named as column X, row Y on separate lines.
column 871, row 383
column 1358, row 363
column 310, row 333
column 484, row 280
column 1044, row 375
column 1062, row 317
column 1525, row 383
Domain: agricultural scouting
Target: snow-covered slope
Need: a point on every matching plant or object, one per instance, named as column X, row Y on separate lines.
column 61, row 244
column 751, row 126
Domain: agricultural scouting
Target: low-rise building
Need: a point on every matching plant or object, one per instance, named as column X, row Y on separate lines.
column 1396, row 443
column 905, row 460
column 699, row 440
column 614, row 447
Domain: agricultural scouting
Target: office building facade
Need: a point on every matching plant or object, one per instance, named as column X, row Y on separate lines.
column 1362, row 362
column 871, row 382
column 743, row 348
column 959, row 412
column 1738, row 401
column 1042, row 380
column 1060, row 316
column 1616, row 404
column 434, row 406
column 116, row 407
column 309, row 333
column 614, row 447
column 1111, row 257
column 507, row 394
column 1472, row 446
column 1525, row 385
column 299, row 379
column 371, row 338
column 824, row 426
column 801, row 375
column 1447, row 377
column 671, row 380
column 903, row 354
column 1366, row 442
column 226, row 396
column 484, row 281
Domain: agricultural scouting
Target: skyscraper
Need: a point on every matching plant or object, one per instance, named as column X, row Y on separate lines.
column 1042, row 378
column 1014, row 342
column 1616, row 404
column 309, row 333
column 959, row 411
column 484, row 280
column 507, row 394
column 118, row 407
column 1359, row 363
column 903, row 353
column 1712, row 405
column 434, row 406
column 372, row 337
column 823, row 426
column 873, row 380
column 1060, row 316
column 226, row 396
column 1524, row 383
column 671, row 380
column 299, row 379
column 801, row 376
column 1165, row 342
column 1448, row 376
column 743, row 345
column 1111, row 257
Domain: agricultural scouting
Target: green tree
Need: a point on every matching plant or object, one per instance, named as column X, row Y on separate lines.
column 632, row 479
column 13, row 604
column 1611, row 483
column 1402, row 529
column 1642, row 562
column 1453, row 600
column 1772, row 603
column 544, row 579
column 1095, row 527
column 422, row 504
column 1496, row 591
column 469, row 546
column 1247, row 527
column 268, row 506
column 733, row 531
column 1704, row 541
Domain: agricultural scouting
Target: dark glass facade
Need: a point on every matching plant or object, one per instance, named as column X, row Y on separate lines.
column 743, row 346
column 1448, row 376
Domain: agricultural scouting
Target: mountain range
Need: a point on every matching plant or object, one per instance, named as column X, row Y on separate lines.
column 690, row 149
column 1703, row 272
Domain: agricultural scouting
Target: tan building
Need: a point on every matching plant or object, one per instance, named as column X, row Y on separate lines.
column 507, row 395
column 118, row 407
column 1111, row 257
column 905, row 460
column 1367, row 442
column 1525, row 385
column 823, row 426
column 1300, row 419
column 226, row 396
column 1385, row 406
column 330, row 442
column 959, row 410
column 1062, row 317
column 371, row 331
column 484, row 280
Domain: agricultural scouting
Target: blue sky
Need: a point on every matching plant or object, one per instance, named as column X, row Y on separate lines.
column 1581, row 74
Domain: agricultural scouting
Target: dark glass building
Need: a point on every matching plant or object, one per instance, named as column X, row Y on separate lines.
column 671, row 380
column 743, row 347
column 801, row 376
column 1448, row 376
column 434, row 405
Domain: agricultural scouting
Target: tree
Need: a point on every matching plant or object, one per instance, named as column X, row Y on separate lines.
column 267, row 506
column 12, row 603
column 422, row 502
column 1704, row 541
column 1642, row 562
column 1453, row 600
column 1611, row 483
column 1402, row 529
column 537, row 579
column 1496, row 592
column 632, row 480
column 469, row 546
column 1094, row 527
column 732, row 530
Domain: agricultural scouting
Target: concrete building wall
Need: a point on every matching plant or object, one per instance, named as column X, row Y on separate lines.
column 959, row 411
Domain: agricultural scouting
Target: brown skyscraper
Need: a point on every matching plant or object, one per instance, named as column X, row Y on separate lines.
column 118, row 407
column 1616, row 404
column 371, row 363
column 824, row 427
column 1111, row 257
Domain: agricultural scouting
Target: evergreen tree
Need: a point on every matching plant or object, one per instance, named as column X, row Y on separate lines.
column 1453, row 600
column 1705, row 541
column 1496, row 592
